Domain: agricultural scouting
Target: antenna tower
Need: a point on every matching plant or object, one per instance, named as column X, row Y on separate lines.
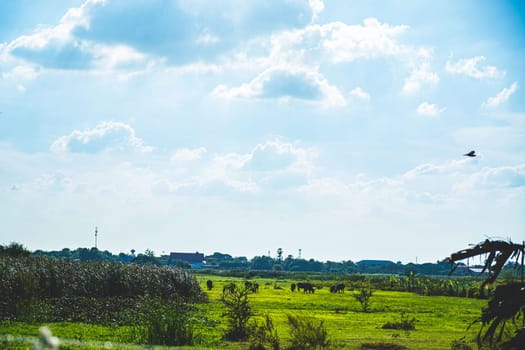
column 96, row 236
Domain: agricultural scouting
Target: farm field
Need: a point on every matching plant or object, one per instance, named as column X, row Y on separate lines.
column 440, row 320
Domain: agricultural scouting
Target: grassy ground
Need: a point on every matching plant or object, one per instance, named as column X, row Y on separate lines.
column 439, row 319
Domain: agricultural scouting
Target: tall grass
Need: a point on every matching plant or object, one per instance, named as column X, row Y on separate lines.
column 29, row 281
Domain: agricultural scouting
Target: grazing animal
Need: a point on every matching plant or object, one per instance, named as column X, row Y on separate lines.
column 209, row 284
column 470, row 154
column 306, row 287
column 292, row 286
column 337, row 288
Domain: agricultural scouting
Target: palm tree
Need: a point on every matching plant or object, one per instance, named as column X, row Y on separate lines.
column 508, row 300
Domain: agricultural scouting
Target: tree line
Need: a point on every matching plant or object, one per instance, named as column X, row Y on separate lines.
column 222, row 261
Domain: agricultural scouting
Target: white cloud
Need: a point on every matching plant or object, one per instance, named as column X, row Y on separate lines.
column 501, row 97
column 187, row 154
column 360, row 94
column 108, row 135
column 337, row 42
column 275, row 155
column 497, row 177
column 324, row 187
column 284, row 82
column 21, row 72
column 317, row 7
column 429, row 110
column 419, row 78
column 468, row 67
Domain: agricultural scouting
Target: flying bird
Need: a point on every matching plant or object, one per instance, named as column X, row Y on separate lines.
column 470, row 154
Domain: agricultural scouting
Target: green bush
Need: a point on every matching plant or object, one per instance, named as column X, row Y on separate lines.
column 237, row 311
column 405, row 323
column 167, row 323
column 264, row 334
column 363, row 297
column 460, row 344
column 382, row 346
column 306, row 334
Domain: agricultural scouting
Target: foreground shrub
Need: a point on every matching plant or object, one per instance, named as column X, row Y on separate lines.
column 167, row 323
column 26, row 280
column 237, row 311
column 306, row 334
column 363, row 297
column 460, row 344
column 263, row 335
column 382, row 346
column 405, row 323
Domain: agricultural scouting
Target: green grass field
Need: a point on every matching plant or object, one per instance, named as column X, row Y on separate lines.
column 440, row 320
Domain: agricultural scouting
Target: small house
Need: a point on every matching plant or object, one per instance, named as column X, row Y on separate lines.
column 196, row 260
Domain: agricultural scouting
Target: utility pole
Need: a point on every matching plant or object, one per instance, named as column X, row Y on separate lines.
column 299, row 257
column 96, row 235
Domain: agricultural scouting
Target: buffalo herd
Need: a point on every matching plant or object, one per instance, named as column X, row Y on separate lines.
column 307, row 287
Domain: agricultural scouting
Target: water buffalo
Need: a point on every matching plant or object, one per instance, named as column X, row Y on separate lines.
column 292, row 286
column 337, row 288
column 306, row 287
column 209, row 284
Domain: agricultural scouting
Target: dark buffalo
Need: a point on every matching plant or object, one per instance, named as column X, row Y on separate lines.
column 209, row 284
column 306, row 287
column 337, row 288
column 292, row 286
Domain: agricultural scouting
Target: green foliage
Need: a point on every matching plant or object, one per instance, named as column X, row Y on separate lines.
column 264, row 334
column 382, row 346
column 238, row 311
column 306, row 334
column 405, row 323
column 14, row 250
column 460, row 344
column 29, row 281
column 363, row 296
column 507, row 305
column 167, row 323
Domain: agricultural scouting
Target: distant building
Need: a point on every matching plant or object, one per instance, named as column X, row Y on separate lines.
column 375, row 262
column 196, row 260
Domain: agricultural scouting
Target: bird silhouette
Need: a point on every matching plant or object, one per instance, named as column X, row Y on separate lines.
column 470, row 154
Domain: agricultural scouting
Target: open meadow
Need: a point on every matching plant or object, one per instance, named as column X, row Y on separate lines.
column 439, row 320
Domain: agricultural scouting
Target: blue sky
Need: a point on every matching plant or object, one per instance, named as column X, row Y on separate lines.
column 334, row 127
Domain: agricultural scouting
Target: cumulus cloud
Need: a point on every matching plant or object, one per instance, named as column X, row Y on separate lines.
column 360, row 94
column 187, row 154
column 497, row 177
column 501, row 97
column 469, row 67
column 114, row 34
column 419, row 78
column 21, row 72
column 338, row 42
column 317, row 7
column 278, row 155
column 284, row 83
column 429, row 110
column 105, row 136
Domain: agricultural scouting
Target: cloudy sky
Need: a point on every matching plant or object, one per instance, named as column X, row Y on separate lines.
column 337, row 127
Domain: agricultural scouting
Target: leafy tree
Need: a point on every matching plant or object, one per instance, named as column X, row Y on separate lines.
column 237, row 311
column 262, row 263
column 14, row 250
column 280, row 254
column 363, row 297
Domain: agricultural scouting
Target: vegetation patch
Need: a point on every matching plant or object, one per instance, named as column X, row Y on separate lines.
column 382, row 346
column 405, row 323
